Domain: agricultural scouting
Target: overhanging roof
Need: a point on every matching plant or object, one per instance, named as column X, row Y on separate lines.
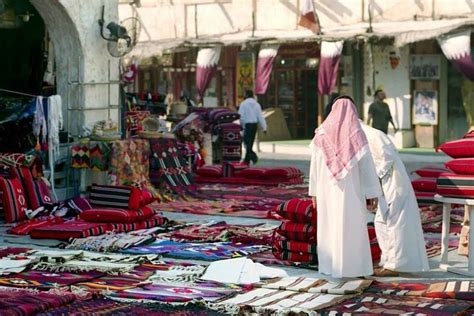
column 403, row 32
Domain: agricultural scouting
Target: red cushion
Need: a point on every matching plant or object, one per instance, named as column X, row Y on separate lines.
column 249, row 181
column 298, row 231
column 299, row 257
column 25, row 227
column 425, row 198
column 283, row 172
column 431, row 171
column 252, row 172
column 424, row 184
column 154, row 221
column 456, row 185
column 115, row 215
column 70, row 229
column 296, row 246
column 14, row 201
column 461, row 165
column 461, row 148
column 126, row 197
column 469, row 134
column 298, row 210
column 146, row 197
column 214, row 171
column 37, row 191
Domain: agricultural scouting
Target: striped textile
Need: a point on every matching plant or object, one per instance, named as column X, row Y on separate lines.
column 117, row 215
column 115, row 196
column 456, row 185
column 296, row 246
column 297, row 231
column 70, row 229
column 13, row 200
column 298, row 210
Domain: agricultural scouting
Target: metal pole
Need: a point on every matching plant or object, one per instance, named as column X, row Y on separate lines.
column 196, row 20
column 108, row 90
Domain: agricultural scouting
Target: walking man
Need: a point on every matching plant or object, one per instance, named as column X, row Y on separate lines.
column 379, row 113
column 250, row 117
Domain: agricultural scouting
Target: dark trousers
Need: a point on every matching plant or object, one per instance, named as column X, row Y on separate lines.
column 250, row 131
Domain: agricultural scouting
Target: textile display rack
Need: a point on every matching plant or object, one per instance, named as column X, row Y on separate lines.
column 447, row 204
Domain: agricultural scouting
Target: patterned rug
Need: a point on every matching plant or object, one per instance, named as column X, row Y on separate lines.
column 231, row 142
column 296, row 295
column 433, row 245
column 373, row 304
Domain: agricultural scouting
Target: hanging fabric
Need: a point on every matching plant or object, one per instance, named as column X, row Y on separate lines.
column 55, row 123
column 457, row 48
column 39, row 123
column 207, row 60
column 329, row 66
column 266, row 56
column 131, row 72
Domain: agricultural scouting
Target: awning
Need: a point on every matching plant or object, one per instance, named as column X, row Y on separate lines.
column 403, row 32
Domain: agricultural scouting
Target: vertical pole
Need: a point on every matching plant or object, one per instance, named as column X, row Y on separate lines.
column 297, row 13
column 470, row 267
column 196, row 20
column 320, row 109
column 445, row 232
column 254, row 16
column 108, row 89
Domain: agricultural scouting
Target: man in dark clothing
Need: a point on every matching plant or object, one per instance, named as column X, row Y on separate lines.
column 379, row 113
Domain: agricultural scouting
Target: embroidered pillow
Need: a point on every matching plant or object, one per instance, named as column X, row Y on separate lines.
column 13, row 200
column 424, row 184
column 456, row 185
column 431, row 171
column 461, row 148
column 115, row 196
column 461, row 165
column 226, row 117
column 298, row 210
column 214, row 171
column 116, row 215
column 297, row 231
column 37, row 191
column 216, row 112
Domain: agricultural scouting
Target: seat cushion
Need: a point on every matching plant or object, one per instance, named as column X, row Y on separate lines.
column 212, row 171
column 431, row 171
column 461, row 165
column 125, row 197
column 70, row 229
column 461, row 148
column 36, row 190
column 297, row 231
column 116, row 215
column 14, row 200
column 425, row 198
column 283, row 172
column 298, row 257
column 296, row 246
column 424, row 184
column 456, row 185
column 298, row 211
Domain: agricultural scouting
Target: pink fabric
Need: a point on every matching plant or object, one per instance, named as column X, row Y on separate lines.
column 203, row 78
column 340, row 138
column 266, row 56
column 328, row 68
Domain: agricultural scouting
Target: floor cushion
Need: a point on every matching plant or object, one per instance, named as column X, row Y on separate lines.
column 154, row 221
column 461, row 148
column 296, row 256
column 298, row 211
column 14, row 201
column 297, row 231
column 425, row 198
column 37, row 191
column 461, row 165
column 283, row 172
column 116, row 215
column 295, row 246
column 431, row 171
column 252, row 172
column 424, row 184
column 456, row 185
column 212, row 171
column 70, row 229
column 115, row 196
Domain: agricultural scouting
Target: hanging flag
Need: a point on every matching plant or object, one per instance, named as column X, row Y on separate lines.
column 328, row 66
column 309, row 18
column 266, row 56
column 457, row 48
column 207, row 60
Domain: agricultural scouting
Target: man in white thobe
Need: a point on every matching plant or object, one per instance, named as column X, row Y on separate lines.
column 398, row 229
column 344, row 180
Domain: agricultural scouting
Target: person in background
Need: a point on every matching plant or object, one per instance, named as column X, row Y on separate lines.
column 328, row 107
column 344, row 185
column 379, row 113
column 250, row 117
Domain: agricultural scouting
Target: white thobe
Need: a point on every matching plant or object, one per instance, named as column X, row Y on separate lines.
column 398, row 229
column 342, row 237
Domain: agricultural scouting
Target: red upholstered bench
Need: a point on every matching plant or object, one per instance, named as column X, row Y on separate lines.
column 456, row 185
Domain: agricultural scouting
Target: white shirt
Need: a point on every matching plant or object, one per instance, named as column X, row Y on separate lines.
column 251, row 112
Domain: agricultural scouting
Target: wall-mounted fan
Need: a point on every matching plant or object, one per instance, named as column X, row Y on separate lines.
column 122, row 37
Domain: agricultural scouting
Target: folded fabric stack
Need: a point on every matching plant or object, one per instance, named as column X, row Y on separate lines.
column 425, row 185
column 296, row 239
column 460, row 183
column 21, row 192
column 236, row 173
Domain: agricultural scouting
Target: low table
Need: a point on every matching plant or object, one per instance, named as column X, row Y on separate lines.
column 469, row 206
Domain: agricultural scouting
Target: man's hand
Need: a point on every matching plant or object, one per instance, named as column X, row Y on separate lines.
column 372, row 204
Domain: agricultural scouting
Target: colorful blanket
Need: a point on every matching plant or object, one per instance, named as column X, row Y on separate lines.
column 373, row 304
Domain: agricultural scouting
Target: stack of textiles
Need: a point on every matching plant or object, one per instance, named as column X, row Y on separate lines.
column 242, row 174
column 296, row 239
column 460, row 183
column 425, row 185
